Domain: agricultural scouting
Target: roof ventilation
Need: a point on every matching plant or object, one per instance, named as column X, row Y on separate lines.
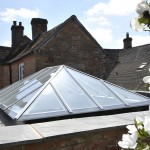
column 142, row 66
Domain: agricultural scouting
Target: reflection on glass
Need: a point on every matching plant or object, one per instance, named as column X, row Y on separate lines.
column 46, row 102
column 22, row 95
column 71, row 92
column 14, row 89
column 125, row 95
column 16, row 108
column 29, row 90
column 27, row 84
column 96, row 89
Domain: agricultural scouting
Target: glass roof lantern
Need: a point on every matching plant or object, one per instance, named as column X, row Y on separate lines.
column 63, row 91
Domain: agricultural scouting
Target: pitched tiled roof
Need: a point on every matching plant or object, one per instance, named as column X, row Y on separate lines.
column 45, row 37
column 111, row 59
column 23, row 43
column 127, row 72
column 4, row 51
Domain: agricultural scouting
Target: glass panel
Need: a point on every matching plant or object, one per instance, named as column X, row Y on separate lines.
column 16, row 108
column 18, row 84
column 125, row 95
column 71, row 92
column 21, row 95
column 24, row 84
column 14, row 89
column 28, row 90
column 96, row 89
column 27, row 84
column 46, row 102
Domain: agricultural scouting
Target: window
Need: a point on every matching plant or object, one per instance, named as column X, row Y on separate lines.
column 142, row 66
column 21, row 71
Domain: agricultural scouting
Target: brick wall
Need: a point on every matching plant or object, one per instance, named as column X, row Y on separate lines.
column 91, row 140
column 73, row 47
column 29, row 68
column 4, row 76
column 1, row 75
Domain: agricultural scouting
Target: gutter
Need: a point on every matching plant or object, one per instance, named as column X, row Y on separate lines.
column 10, row 74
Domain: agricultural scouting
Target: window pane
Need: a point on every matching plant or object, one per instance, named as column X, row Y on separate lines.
column 46, row 102
column 125, row 95
column 71, row 92
column 16, row 108
column 18, row 84
column 27, row 84
column 22, row 95
column 96, row 89
column 14, row 89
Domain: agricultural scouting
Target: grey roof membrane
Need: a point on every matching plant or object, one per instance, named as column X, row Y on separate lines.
column 63, row 91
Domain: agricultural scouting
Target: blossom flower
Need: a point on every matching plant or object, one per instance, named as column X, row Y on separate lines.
column 142, row 7
column 131, row 128
column 128, row 141
column 146, row 79
column 142, row 22
column 138, row 136
column 135, row 24
column 146, row 124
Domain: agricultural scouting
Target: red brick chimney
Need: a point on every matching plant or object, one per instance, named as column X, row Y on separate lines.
column 17, row 33
column 127, row 41
column 38, row 26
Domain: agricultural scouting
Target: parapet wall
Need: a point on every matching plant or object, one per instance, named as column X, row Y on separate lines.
column 91, row 133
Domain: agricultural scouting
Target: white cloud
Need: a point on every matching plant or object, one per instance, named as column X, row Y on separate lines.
column 11, row 14
column 140, row 40
column 102, row 35
column 101, row 21
column 114, row 7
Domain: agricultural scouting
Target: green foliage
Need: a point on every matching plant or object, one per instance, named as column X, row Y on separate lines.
column 142, row 20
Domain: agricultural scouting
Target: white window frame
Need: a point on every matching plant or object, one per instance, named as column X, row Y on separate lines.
column 21, row 71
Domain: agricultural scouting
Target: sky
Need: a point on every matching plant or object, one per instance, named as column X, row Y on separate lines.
column 108, row 21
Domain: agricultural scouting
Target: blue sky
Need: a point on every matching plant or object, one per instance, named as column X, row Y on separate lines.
column 107, row 20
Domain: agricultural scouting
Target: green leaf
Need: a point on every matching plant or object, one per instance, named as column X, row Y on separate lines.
column 143, row 20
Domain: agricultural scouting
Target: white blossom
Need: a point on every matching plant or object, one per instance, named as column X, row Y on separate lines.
column 134, row 140
column 135, row 25
column 146, row 124
column 146, row 79
column 141, row 7
column 131, row 128
column 128, row 141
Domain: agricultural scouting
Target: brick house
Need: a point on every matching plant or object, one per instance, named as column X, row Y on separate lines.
column 68, row 43
column 71, row 44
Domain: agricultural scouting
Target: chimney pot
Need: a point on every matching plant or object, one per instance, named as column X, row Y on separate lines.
column 127, row 41
column 17, row 33
column 20, row 23
column 14, row 23
column 127, row 35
